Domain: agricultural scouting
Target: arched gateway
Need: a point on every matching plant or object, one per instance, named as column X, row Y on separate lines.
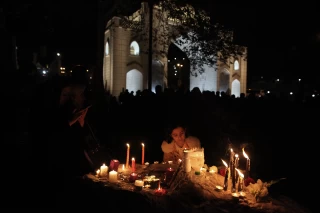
column 125, row 63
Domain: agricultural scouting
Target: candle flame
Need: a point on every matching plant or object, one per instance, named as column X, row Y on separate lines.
column 142, row 144
column 132, row 159
column 245, row 154
column 224, row 163
column 128, row 145
column 236, row 155
column 98, row 171
column 104, row 164
column 240, row 173
column 231, row 150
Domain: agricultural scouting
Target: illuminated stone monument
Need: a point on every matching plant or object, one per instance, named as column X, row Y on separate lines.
column 125, row 62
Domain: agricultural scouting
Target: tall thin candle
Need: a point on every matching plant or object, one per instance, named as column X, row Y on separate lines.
column 225, row 184
column 236, row 165
column 232, row 169
column 248, row 163
column 241, row 182
column 142, row 158
column 128, row 153
column 133, row 165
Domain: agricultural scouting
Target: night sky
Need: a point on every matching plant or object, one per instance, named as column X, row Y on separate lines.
column 282, row 40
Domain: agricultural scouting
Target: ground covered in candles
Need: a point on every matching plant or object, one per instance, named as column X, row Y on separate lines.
column 197, row 193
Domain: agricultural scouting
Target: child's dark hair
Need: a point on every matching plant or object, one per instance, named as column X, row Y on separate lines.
column 173, row 126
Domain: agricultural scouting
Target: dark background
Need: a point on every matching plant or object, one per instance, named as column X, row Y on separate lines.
column 282, row 41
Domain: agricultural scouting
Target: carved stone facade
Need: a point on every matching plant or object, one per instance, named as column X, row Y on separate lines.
column 125, row 64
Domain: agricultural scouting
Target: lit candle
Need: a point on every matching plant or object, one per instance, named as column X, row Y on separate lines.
column 133, row 165
column 219, row 188
column 98, row 173
column 242, row 194
column 114, row 164
column 128, row 153
column 235, row 195
column 142, row 158
column 232, row 154
column 113, row 176
column 248, row 163
column 121, row 168
column 241, row 182
column 169, row 174
column 236, row 162
column 232, row 170
column 159, row 190
column 133, row 177
column 225, row 184
column 139, row 183
column 103, row 170
column 236, row 165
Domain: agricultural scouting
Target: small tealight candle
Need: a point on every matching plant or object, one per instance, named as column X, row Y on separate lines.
column 235, row 195
column 156, row 162
column 213, row 168
column 113, row 176
column 170, row 162
column 146, row 163
column 98, row 173
column 103, row 170
column 211, row 172
column 242, row 194
column 219, row 188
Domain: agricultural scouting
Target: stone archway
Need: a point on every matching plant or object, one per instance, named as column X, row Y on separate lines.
column 134, row 81
column 235, row 88
column 157, row 74
column 224, row 80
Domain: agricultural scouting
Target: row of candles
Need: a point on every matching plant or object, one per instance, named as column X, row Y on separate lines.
column 147, row 182
column 133, row 160
column 234, row 173
column 231, row 168
column 114, row 166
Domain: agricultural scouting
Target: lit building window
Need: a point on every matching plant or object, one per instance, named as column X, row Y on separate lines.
column 134, row 48
column 107, row 48
column 236, row 65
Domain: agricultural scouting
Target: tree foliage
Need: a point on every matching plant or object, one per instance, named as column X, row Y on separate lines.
column 189, row 27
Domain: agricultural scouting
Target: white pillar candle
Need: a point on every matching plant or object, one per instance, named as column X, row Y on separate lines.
column 113, row 176
column 139, row 183
column 103, row 170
